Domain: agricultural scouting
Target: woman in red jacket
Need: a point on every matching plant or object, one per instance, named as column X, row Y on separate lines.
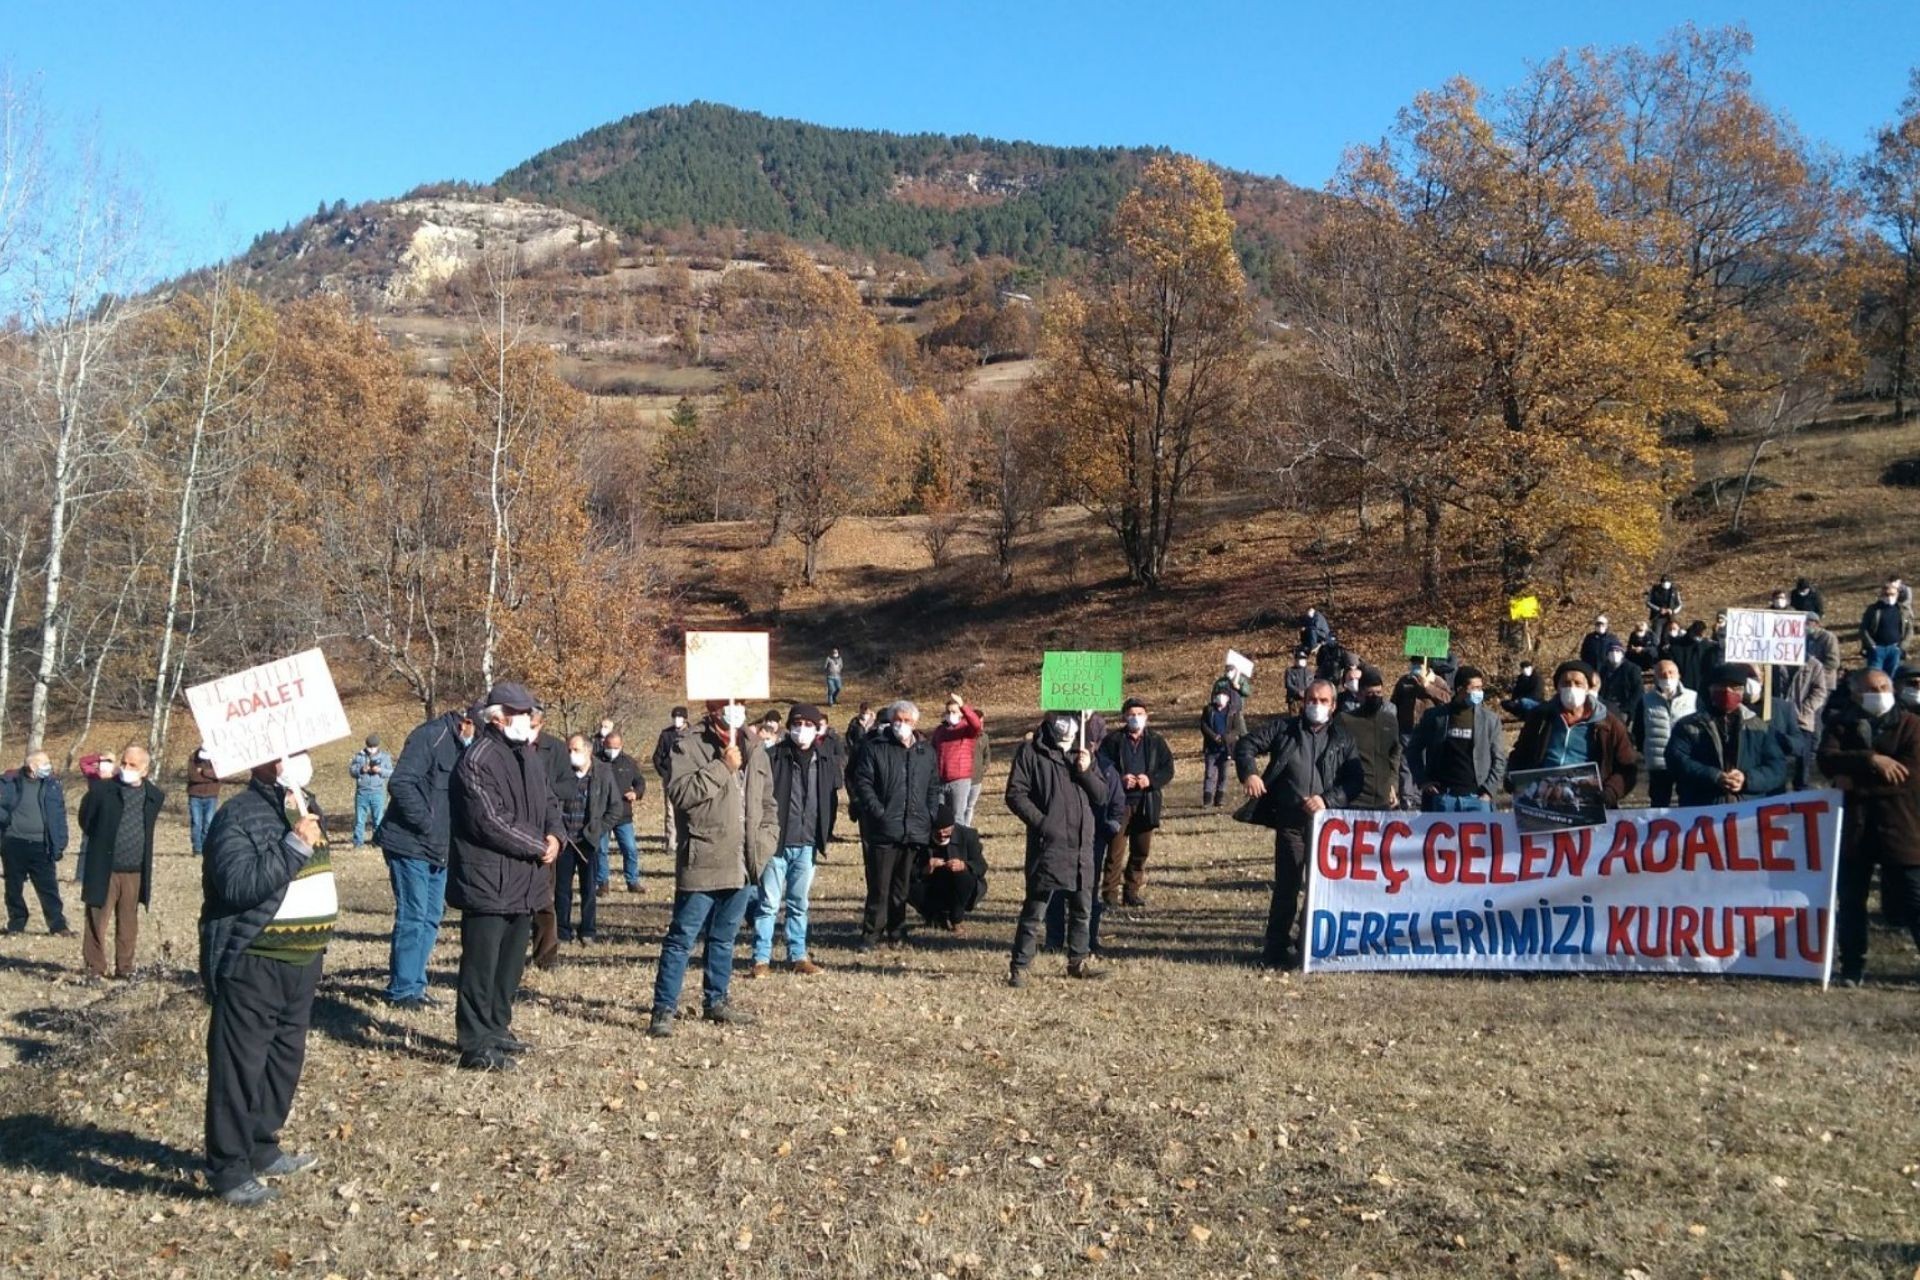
column 953, row 740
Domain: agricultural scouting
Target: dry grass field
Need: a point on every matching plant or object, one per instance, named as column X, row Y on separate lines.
column 906, row 1114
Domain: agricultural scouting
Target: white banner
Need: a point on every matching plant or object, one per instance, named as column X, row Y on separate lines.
column 1737, row 889
column 263, row 713
column 1766, row 637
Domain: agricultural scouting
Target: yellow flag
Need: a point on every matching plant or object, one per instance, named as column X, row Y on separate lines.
column 1523, row 608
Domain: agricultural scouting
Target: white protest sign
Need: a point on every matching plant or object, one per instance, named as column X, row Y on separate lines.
column 727, row 665
column 266, row 712
column 1240, row 664
column 1766, row 637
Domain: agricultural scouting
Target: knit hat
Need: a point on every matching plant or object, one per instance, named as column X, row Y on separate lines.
column 804, row 711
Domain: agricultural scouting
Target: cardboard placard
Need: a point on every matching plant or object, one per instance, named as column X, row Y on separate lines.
column 1523, row 608
column 1071, row 681
column 727, row 665
column 267, row 712
column 1240, row 664
column 1427, row 642
column 1766, row 637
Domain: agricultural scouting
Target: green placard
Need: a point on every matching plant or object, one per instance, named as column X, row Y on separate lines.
column 1428, row 642
column 1081, row 682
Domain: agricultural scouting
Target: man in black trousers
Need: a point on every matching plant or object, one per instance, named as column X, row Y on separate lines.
column 268, row 913
column 506, row 834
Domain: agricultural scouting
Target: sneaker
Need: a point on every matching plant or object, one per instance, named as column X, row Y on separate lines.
column 759, row 970
column 1017, row 976
column 634, row 886
column 64, row 932
column 725, row 1013
column 805, row 967
column 250, row 1194
column 288, row 1164
column 1853, row 978
column 660, row 1025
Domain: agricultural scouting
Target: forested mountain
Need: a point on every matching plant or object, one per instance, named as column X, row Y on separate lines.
column 705, row 165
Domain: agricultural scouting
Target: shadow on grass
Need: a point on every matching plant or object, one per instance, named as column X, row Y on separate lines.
column 353, row 1025
column 20, row 964
column 114, row 1159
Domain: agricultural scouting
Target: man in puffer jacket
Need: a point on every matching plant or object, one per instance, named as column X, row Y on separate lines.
column 897, row 786
column 268, row 912
column 1660, row 708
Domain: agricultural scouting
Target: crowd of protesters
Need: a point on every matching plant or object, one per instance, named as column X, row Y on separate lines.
column 487, row 812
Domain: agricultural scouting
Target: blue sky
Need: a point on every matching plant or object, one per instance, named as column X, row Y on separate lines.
column 240, row 117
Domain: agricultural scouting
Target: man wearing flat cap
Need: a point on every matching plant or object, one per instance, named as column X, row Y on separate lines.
column 506, row 833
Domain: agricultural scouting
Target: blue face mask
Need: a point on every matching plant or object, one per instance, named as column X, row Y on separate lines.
column 1476, row 696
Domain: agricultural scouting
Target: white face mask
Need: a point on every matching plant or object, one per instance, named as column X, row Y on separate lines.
column 130, row 776
column 1615, row 657
column 1318, row 712
column 1526, row 671
column 953, row 717
column 1669, row 685
column 579, row 759
column 1753, row 691
column 1299, row 662
column 802, row 735
column 1063, row 731
column 1877, row 702
column 1220, row 700
column 518, row 728
column 1573, row 699
column 606, row 727
column 733, row 716
column 1136, row 723
column 679, row 722
column 296, row 772
column 903, row 731
column 613, row 753
column 1910, row 695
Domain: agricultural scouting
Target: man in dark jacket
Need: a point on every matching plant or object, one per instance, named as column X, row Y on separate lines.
column 1460, row 750
column 590, row 803
column 662, row 762
column 1145, row 764
column 1622, row 681
column 414, row 835
column 203, row 797
column 722, row 784
column 268, row 910
column 1311, row 765
column 1217, row 736
column 505, row 838
column 1577, row 728
column 1806, row 598
column 1885, row 628
column 1663, row 603
column 552, row 751
column 1696, row 655
column 950, row 880
column 1109, row 827
column 118, row 818
column 1872, row 753
column 1056, row 790
column 1726, row 751
column 1298, row 677
column 33, row 836
column 1315, row 631
column 1593, row 646
column 897, row 786
column 804, row 791
column 1374, row 727
column 630, row 787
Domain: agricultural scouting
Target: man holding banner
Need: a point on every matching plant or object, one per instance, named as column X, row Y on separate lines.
column 1311, row 765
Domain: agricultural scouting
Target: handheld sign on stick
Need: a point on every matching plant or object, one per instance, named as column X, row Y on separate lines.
column 727, row 665
column 1081, row 681
column 268, row 712
column 1765, row 638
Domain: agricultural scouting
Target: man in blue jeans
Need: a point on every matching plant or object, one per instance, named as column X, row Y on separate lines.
column 203, row 797
column 630, row 786
column 805, row 798
column 835, row 667
column 1885, row 628
column 721, row 782
column 1459, row 751
column 372, row 768
column 414, row 835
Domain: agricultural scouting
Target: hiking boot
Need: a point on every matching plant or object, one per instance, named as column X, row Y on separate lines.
column 1081, row 969
column 806, row 967
column 1134, row 900
column 1017, row 976
column 725, row 1014
column 513, row 1045
column 288, row 1164
column 660, row 1025
column 493, row 1060
column 759, row 970
column 250, row 1194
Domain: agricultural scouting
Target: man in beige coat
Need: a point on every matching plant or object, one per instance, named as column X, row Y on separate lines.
column 721, row 784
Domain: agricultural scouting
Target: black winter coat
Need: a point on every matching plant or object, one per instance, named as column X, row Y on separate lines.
column 503, row 810
column 663, row 750
column 786, row 760
column 1376, row 740
column 251, row 857
column 1159, row 759
column 1300, row 763
column 1060, row 807
column 898, row 789
column 626, row 777
column 417, row 823
column 99, row 823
